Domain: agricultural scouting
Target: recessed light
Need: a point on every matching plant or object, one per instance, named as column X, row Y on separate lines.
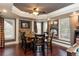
column 48, row 19
column 4, row 10
column 74, row 13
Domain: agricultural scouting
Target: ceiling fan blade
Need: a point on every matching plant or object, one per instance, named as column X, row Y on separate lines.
column 42, row 12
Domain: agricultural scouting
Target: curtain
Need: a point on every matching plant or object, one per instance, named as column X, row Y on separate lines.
column 42, row 27
column 35, row 27
column 1, row 32
column 45, row 25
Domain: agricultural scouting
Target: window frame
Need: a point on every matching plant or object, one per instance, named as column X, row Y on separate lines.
column 14, row 30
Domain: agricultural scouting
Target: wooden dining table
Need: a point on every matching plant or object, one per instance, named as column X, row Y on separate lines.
column 32, row 42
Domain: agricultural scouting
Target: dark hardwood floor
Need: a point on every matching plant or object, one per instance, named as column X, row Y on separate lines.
column 16, row 50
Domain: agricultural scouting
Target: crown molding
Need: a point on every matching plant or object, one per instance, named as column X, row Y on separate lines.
column 62, row 11
column 66, row 10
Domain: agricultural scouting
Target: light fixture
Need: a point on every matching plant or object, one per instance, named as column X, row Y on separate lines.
column 35, row 11
column 48, row 19
column 4, row 10
column 55, row 22
column 51, row 22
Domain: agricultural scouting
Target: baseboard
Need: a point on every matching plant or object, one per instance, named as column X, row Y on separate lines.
column 61, row 44
column 10, row 43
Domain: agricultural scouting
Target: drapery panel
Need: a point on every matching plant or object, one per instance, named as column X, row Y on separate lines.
column 35, row 27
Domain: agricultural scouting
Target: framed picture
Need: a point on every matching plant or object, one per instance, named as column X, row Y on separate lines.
column 25, row 24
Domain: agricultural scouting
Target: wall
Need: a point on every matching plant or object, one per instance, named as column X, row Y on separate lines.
column 17, row 32
column 74, row 23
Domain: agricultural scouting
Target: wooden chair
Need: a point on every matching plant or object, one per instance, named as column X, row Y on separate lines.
column 29, row 40
column 39, row 42
column 23, row 40
column 48, row 42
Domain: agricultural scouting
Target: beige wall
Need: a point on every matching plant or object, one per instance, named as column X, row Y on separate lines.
column 74, row 23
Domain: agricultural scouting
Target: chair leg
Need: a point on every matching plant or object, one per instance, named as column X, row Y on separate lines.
column 51, row 47
column 34, row 49
column 43, row 52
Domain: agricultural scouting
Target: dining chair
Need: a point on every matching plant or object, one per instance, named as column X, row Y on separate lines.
column 23, row 40
column 29, row 40
column 39, row 43
column 48, row 42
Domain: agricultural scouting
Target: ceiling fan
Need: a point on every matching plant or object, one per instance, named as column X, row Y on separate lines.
column 36, row 11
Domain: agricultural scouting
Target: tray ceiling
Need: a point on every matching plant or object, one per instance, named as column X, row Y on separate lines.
column 44, row 8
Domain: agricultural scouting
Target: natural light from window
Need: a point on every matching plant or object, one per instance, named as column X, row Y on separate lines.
column 9, row 29
column 39, row 27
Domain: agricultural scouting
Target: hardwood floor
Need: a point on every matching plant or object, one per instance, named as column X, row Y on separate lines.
column 16, row 50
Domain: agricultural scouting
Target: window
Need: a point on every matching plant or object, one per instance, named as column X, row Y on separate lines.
column 39, row 27
column 9, row 29
column 64, row 29
column 44, row 26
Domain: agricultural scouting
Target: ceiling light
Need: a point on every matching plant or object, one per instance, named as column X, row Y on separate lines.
column 35, row 9
column 55, row 22
column 35, row 13
column 4, row 10
column 48, row 19
column 74, row 13
column 51, row 22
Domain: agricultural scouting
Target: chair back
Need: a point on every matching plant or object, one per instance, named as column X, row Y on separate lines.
column 39, row 38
